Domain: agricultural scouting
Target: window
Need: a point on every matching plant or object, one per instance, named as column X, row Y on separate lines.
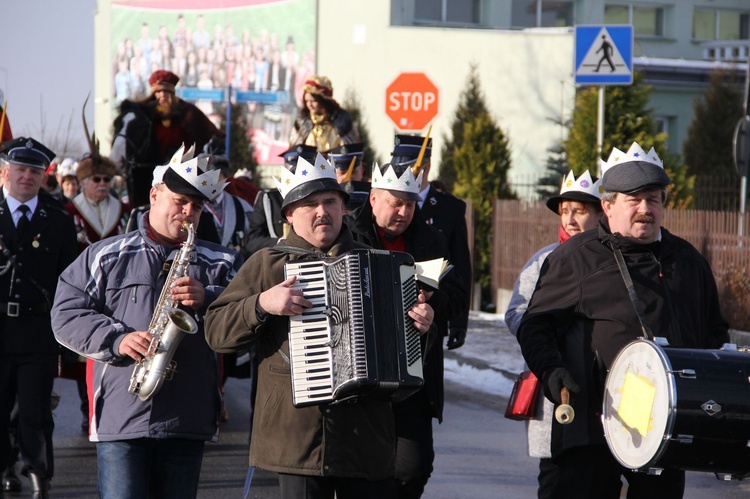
column 446, row 11
column 646, row 21
column 710, row 24
column 542, row 13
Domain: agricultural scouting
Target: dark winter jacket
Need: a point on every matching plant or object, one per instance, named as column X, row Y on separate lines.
column 580, row 315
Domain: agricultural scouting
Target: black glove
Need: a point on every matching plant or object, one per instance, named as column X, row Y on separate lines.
column 456, row 338
column 553, row 382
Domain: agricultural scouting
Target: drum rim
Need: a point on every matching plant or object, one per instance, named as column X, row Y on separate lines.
column 671, row 412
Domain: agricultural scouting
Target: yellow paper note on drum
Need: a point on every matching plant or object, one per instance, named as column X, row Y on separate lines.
column 636, row 402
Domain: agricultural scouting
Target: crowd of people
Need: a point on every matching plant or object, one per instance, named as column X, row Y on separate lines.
column 114, row 267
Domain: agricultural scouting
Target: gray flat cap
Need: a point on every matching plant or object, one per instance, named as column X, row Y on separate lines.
column 634, row 176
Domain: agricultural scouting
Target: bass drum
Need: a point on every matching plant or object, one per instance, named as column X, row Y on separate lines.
column 679, row 408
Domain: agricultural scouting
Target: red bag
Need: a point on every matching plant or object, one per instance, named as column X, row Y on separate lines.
column 522, row 401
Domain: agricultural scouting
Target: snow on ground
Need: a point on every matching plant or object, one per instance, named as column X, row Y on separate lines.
column 490, row 360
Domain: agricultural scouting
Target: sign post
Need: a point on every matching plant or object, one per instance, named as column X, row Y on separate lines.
column 412, row 101
column 603, row 56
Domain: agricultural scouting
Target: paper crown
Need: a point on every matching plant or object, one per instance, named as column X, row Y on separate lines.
column 303, row 173
column 584, row 184
column 391, row 181
column 635, row 153
column 584, row 189
column 192, row 171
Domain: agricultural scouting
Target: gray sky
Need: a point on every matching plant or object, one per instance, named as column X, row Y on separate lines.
column 47, row 69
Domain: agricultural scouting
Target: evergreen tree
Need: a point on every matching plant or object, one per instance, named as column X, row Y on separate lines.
column 557, row 167
column 708, row 147
column 481, row 164
column 627, row 119
column 351, row 103
column 471, row 105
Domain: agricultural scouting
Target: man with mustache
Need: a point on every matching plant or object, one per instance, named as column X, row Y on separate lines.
column 580, row 316
column 103, row 308
column 345, row 449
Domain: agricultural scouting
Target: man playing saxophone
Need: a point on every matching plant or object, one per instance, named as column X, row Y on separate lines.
column 150, row 445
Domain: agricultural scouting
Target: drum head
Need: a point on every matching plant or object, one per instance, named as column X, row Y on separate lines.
column 639, row 404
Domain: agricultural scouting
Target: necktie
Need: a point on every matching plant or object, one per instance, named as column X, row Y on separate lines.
column 23, row 222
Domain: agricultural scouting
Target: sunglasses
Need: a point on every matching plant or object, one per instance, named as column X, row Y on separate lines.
column 98, row 179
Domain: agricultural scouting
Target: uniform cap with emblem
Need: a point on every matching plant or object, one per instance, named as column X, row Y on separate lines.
column 585, row 188
column 161, row 79
column 290, row 155
column 26, row 151
column 341, row 157
column 406, row 149
column 185, row 174
column 308, row 178
column 633, row 171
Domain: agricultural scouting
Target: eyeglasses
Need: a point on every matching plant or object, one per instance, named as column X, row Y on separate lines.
column 98, row 179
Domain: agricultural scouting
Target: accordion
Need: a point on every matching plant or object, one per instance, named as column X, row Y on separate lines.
column 357, row 338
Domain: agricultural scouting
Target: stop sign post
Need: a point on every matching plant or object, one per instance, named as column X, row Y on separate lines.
column 411, row 101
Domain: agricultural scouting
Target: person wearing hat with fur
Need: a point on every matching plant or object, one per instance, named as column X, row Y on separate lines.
column 581, row 315
column 579, row 207
column 103, row 307
column 322, row 122
column 390, row 220
column 345, row 449
column 171, row 121
column 37, row 242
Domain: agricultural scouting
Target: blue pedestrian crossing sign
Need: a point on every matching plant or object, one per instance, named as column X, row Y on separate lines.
column 604, row 55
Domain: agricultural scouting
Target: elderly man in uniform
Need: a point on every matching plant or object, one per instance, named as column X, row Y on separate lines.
column 38, row 241
column 390, row 220
column 581, row 315
column 345, row 449
column 350, row 175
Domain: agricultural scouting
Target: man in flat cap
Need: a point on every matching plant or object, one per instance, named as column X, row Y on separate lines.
column 147, row 133
column 103, row 310
column 37, row 242
column 581, row 315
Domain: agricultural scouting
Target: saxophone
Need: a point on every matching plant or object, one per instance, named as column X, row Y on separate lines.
column 168, row 326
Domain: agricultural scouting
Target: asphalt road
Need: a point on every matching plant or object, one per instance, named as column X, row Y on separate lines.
column 479, row 453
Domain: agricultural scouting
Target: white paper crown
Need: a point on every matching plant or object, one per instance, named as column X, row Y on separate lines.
column 304, row 172
column 391, row 181
column 584, row 184
column 635, row 153
column 186, row 166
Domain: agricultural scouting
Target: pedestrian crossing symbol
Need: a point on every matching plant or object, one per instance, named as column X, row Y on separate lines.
column 604, row 55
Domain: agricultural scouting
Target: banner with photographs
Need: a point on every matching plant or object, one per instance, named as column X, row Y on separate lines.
column 257, row 52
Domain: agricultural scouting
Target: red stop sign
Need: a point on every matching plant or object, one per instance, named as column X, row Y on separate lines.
column 411, row 101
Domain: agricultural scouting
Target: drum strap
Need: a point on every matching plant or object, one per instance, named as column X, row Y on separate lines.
column 631, row 290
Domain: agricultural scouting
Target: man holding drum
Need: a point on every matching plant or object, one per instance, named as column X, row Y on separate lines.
column 581, row 315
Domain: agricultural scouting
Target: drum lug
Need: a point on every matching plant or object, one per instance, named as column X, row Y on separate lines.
column 655, row 471
column 725, row 477
column 682, row 439
column 685, row 373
